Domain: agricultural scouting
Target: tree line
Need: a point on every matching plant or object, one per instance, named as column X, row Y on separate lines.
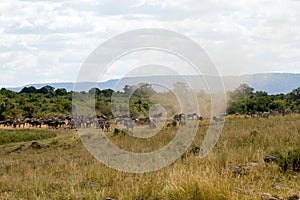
column 244, row 100
column 31, row 102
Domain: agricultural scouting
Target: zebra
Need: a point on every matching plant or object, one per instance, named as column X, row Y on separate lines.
column 100, row 125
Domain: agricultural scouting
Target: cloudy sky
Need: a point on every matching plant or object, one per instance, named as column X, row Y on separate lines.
column 48, row 41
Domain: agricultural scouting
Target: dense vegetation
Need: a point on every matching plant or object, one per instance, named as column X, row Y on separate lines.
column 34, row 103
column 244, row 100
column 46, row 101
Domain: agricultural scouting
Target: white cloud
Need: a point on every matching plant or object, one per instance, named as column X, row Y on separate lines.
column 49, row 40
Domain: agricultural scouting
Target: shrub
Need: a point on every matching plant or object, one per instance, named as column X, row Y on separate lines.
column 291, row 161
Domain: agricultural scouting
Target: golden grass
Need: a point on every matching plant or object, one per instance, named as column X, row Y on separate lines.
column 64, row 169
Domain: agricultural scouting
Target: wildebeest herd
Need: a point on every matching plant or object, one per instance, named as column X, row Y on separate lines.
column 98, row 122
column 272, row 113
column 103, row 123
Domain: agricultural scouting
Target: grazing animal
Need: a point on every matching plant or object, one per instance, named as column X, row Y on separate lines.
column 181, row 118
column 218, row 119
column 143, row 121
column 182, row 121
column 174, row 123
column 71, row 124
column 158, row 116
column 287, row 112
column 119, row 120
column 88, row 123
column 168, row 125
column 200, row 118
column 275, row 113
column 128, row 123
column 264, row 114
column 177, row 117
column 152, row 124
column 100, row 125
column 193, row 116
column 107, row 126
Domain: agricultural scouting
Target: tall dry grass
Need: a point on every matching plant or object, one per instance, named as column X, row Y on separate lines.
column 63, row 169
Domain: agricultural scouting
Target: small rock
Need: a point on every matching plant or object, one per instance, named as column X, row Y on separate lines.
column 267, row 196
column 278, row 186
column 270, row 159
column 35, row 145
column 16, row 150
column 253, row 164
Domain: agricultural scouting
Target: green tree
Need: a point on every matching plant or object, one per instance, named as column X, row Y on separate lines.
column 94, row 91
column 244, row 89
column 29, row 90
column 60, row 92
column 46, row 90
column 294, row 95
column 278, row 105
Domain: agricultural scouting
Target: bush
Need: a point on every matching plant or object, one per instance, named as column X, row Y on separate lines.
column 291, row 161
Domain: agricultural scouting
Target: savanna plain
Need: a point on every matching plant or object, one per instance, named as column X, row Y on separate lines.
column 54, row 164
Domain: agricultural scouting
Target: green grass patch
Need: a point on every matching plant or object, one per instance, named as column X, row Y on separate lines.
column 23, row 135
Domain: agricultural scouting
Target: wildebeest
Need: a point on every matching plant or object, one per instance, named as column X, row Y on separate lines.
column 181, row 118
column 177, row 117
column 263, row 114
column 158, row 116
column 218, row 119
column 193, row 116
column 8, row 122
column 71, row 124
column 21, row 122
column 128, row 123
column 100, row 125
column 143, row 121
column 107, row 126
column 152, row 124
column 54, row 122
column 34, row 122
column 173, row 123
column 287, row 112
column 274, row 112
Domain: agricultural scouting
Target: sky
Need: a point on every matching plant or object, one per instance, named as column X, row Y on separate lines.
column 48, row 41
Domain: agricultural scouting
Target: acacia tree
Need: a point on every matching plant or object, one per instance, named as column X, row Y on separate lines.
column 244, row 89
column 294, row 95
column 61, row 92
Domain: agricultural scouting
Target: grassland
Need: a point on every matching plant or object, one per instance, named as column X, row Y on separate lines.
column 23, row 135
column 64, row 169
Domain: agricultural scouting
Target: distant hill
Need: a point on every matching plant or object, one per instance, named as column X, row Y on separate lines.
column 273, row 83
